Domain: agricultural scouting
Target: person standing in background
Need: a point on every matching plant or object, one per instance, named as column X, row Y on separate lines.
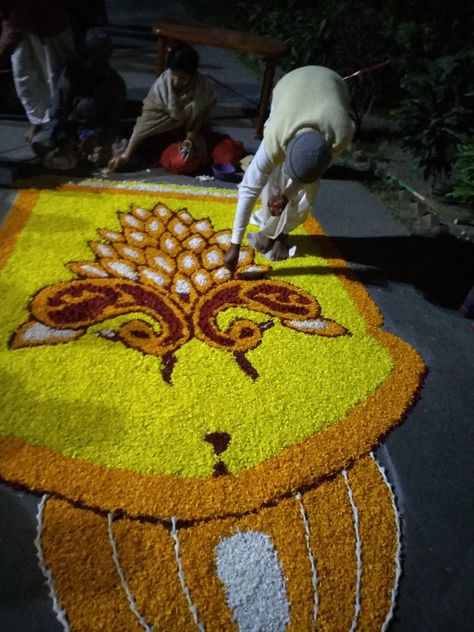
column 86, row 108
column 37, row 37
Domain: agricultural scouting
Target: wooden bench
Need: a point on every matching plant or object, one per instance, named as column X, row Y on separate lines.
column 271, row 50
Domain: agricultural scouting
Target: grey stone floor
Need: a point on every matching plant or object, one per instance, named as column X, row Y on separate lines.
column 428, row 458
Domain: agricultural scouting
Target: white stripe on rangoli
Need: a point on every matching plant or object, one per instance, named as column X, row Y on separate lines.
column 398, row 566
column 123, row 579
column 182, row 580
column 47, row 573
column 312, row 561
column 358, row 551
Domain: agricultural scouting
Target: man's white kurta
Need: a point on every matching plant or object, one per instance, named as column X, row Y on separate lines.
column 312, row 98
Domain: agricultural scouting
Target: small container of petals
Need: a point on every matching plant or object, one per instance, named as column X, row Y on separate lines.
column 223, row 171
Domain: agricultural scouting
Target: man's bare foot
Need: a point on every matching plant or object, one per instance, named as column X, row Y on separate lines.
column 30, row 133
column 262, row 243
column 280, row 250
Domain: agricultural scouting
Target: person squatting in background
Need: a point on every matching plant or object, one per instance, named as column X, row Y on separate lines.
column 308, row 127
column 177, row 108
column 86, row 108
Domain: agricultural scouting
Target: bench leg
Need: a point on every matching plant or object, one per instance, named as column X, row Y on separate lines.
column 265, row 94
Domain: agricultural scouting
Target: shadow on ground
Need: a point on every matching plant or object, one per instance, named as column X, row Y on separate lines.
column 440, row 267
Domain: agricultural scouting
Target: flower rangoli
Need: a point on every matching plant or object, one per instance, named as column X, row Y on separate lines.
column 166, row 271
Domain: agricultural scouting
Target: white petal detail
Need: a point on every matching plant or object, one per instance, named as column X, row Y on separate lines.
column 90, row 268
column 123, row 270
column 113, row 236
column 201, row 279
column 162, row 263
column 222, row 273
column 154, row 225
column 195, row 242
column 223, row 239
column 248, row 566
column 131, row 252
column 39, row 332
column 132, row 221
column 183, row 287
column 188, row 262
column 179, row 228
column 107, row 333
column 141, row 212
column 156, row 277
column 308, row 324
column 213, row 256
column 163, row 211
column 104, row 250
column 203, row 226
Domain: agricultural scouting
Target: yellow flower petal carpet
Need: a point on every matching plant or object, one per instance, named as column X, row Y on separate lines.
column 202, row 441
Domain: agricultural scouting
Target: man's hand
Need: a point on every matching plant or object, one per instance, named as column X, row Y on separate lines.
column 231, row 257
column 277, row 204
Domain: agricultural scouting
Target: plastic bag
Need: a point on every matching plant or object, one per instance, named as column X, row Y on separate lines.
column 176, row 162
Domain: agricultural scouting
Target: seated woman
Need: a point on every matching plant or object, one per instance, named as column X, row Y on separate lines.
column 177, row 106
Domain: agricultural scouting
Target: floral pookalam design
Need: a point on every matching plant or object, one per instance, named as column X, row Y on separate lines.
column 169, row 267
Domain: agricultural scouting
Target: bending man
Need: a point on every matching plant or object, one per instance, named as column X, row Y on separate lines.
column 308, row 127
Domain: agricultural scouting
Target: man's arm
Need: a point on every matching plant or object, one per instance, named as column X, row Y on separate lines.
column 250, row 188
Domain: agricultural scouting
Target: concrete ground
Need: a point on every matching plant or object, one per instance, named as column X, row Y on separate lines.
column 413, row 281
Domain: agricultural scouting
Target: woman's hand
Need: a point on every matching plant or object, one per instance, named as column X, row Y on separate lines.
column 231, row 257
column 187, row 148
column 117, row 162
